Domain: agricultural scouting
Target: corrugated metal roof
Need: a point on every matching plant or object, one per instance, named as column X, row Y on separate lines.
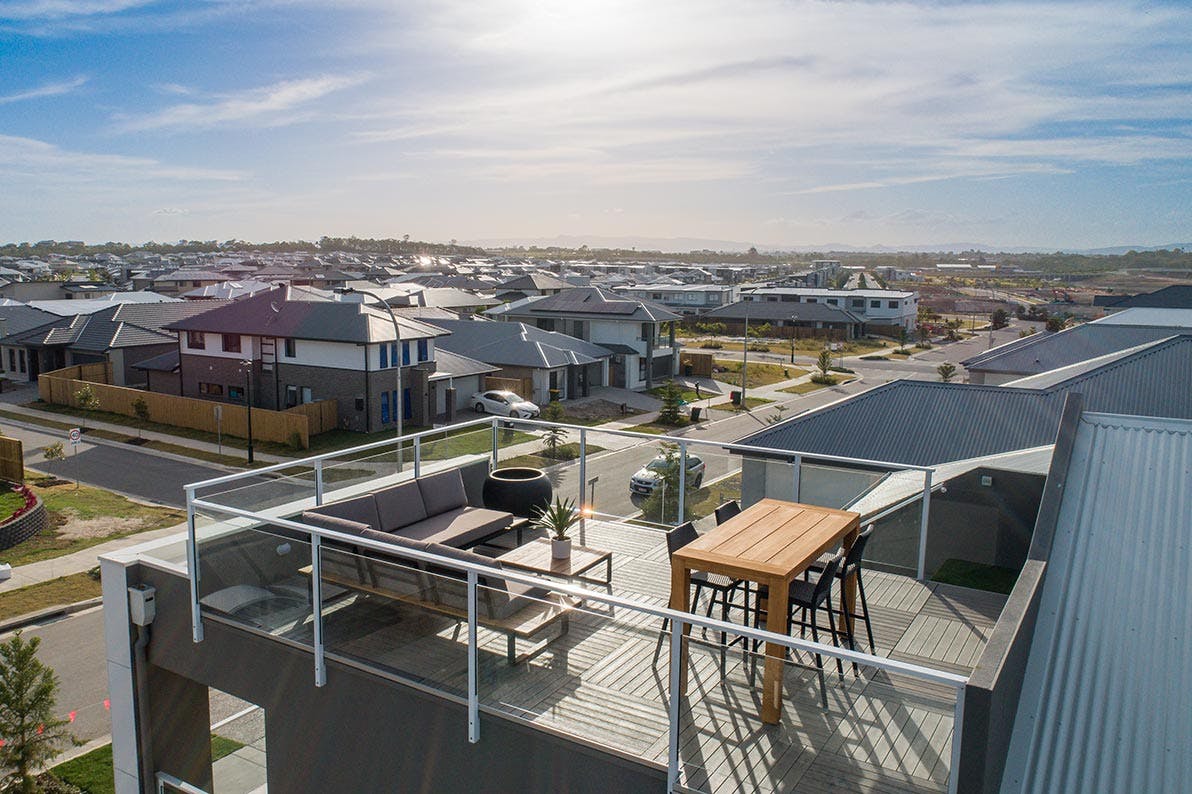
column 922, row 423
column 1177, row 296
column 761, row 311
column 1041, row 353
column 453, row 365
column 1106, row 702
column 1170, row 318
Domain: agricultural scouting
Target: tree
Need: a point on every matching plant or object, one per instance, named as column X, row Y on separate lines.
column 903, row 337
column 672, row 404
column 1055, row 323
column 141, row 409
column 999, row 319
column 552, row 440
column 28, row 695
column 946, row 371
column 85, row 398
column 54, row 451
column 824, row 362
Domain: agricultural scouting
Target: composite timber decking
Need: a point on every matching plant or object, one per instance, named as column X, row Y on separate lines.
column 601, row 684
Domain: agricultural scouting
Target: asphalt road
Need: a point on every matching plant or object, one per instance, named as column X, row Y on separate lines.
column 126, row 470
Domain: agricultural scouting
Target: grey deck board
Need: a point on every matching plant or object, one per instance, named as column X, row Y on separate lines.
column 880, row 732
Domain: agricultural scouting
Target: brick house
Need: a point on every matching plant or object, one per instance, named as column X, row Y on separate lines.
column 289, row 346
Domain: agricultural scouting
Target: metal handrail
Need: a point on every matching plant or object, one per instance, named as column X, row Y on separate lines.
column 585, row 594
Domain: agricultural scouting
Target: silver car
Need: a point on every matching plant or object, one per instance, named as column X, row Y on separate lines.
column 504, row 403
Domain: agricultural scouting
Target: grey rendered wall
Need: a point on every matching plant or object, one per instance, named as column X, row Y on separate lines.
column 362, row 733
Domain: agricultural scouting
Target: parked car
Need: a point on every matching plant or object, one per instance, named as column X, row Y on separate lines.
column 504, row 403
column 645, row 479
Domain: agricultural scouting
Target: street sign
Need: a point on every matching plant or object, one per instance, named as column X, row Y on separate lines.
column 76, row 435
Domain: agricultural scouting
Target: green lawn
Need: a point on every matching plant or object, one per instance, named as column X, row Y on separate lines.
column 993, row 578
column 563, row 454
column 686, row 395
column 808, row 386
column 10, row 502
column 55, row 592
column 82, row 516
column 749, row 404
column 93, row 772
column 758, row 373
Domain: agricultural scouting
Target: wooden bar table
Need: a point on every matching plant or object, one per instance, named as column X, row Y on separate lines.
column 770, row 542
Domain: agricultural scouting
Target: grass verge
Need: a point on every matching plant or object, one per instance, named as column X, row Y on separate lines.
column 563, row 454
column 758, row 374
column 76, row 515
column 993, row 578
column 809, row 386
column 55, row 592
column 93, row 773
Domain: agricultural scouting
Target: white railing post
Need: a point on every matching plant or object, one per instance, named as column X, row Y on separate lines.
column 319, row 481
column 583, row 479
column 676, row 671
column 922, row 568
column 192, row 563
column 417, row 457
column 473, row 662
column 798, row 477
column 316, row 595
column 494, row 464
column 682, row 484
column 957, row 733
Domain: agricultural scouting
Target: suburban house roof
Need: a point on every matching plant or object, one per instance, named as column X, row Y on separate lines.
column 533, row 281
column 454, row 365
column 926, row 423
column 166, row 362
column 1044, row 352
column 513, row 344
column 765, row 311
column 227, row 290
column 69, row 308
column 16, row 318
column 299, row 314
column 1170, row 318
column 591, row 302
column 1176, row 296
column 1097, row 713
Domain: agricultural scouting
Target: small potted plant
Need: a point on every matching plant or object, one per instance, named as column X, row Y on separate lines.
column 557, row 519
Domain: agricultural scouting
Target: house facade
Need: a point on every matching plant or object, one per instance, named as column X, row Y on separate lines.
column 880, row 309
column 639, row 334
column 283, row 348
column 686, row 299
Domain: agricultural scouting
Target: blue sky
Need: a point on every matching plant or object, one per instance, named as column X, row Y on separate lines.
column 1062, row 124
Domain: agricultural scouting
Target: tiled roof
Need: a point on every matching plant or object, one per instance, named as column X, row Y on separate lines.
column 588, row 301
column 768, row 311
column 510, row 344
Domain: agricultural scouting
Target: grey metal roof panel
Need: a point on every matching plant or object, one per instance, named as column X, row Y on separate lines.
column 922, row 423
column 455, row 365
column 1106, row 701
column 516, row 344
column 1066, row 347
column 1176, row 296
column 579, row 301
column 166, row 362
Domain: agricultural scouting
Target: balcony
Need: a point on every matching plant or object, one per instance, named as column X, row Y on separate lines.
column 603, row 675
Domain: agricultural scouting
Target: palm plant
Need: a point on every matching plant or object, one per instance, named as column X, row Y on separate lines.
column 558, row 518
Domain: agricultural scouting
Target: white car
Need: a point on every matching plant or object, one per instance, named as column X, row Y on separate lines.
column 647, row 477
column 504, row 403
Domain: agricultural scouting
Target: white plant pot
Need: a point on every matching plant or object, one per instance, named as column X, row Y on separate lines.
column 560, row 549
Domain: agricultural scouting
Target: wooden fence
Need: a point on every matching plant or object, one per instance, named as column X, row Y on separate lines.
column 521, row 386
column 284, row 427
column 700, row 364
column 12, row 460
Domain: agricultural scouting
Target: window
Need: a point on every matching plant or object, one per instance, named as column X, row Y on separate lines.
column 384, row 407
column 384, row 355
column 290, row 349
column 12, row 360
column 211, row 389
column 657, row 296
column 359, row 403
column 236, row 393
column 875, row 304
column 858, row 303
column 405, row 354
column 291, row 396
column 833, row 301
column 393, row 353
column 546, row 324
column 196, row 283
column 306, row 395
column 21, row 358
column 195, row 340
column 812, row 300
column 423, row 350
column 892, row 304
column 231, row 343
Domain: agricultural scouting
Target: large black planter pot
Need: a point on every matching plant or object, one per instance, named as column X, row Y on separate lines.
column 518, row 490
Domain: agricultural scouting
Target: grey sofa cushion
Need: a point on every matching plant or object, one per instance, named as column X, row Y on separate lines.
column 362, row 509
column 460, row 527
column 334, row 523
column 399, row 506
column 497, row 598
column 443, row 491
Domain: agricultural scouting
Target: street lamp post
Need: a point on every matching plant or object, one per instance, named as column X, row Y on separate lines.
column 248, row 403
column 794, row 319
column 398, row 402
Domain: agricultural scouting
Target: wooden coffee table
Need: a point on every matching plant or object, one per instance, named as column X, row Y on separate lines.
column 535, row 557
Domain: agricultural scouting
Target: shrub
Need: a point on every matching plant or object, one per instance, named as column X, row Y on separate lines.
column 54, row 451
column 826, row 380
column 672, row 399
column 711, row 344
column 553, row 411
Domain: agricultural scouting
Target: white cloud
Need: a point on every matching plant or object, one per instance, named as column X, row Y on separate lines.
column 26, row 157
column 45, row 90
column 62, row 9
column 278, row 104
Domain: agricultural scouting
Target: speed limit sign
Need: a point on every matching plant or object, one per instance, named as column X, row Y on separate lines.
column 75, row 435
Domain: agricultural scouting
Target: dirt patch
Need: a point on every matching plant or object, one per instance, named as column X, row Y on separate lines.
column 69, row 526
column 599, row 409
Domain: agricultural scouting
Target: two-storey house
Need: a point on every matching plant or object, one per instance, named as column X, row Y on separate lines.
column 882, row 310
column 685, row 299
column 640, row 334
column 287, row 346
